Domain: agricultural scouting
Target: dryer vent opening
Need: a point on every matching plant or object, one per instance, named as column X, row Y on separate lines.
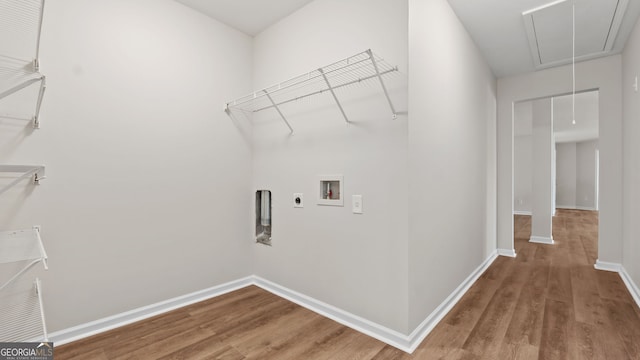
column 263, row 217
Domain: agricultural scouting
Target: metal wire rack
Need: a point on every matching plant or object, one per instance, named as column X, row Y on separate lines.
column 356, row 69
column 20, row 32
column 21, row 311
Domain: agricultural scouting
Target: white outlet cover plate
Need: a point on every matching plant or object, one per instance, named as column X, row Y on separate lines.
column 297, row 204
column 356, row 202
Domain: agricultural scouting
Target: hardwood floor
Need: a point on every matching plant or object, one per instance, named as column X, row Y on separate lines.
column 548, row 303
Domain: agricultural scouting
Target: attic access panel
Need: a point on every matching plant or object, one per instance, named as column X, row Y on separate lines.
column 550, row 33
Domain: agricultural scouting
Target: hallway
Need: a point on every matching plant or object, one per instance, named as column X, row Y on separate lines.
column 548, row 303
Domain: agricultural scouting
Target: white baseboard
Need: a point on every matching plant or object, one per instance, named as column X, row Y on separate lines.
column 507, row 252
column 421, row 332
column 607, row 266
column 628, row 281
column 391, row 337
column 348, row 319
column 407, row 343
column 526, row 213
column 566, row 207
column 587, row 208
column 575, row 207
column 109, row 323
column 626, row 278
column 541, row 240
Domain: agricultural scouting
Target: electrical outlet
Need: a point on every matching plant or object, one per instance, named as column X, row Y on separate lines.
column 298, row 200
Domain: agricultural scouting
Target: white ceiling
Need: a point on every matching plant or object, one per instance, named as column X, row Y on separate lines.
column 248, row 16
column 498, row 28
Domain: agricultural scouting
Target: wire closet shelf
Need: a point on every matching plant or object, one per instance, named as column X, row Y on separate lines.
column 21, row 310
column 20, row 32
column 356, row 69
column 22, row 88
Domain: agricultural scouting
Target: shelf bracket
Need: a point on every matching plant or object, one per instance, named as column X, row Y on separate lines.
column 36, row 117
column 36, row 171
column 333, row 93
column 275, row 106
column 20, row 87
column 384, row 87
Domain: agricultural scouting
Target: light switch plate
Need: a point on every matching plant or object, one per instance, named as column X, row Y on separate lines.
column 298, row 200
column 356, row 204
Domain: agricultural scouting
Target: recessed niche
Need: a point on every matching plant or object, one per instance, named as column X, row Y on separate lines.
column 263, row 217
column 330, row 190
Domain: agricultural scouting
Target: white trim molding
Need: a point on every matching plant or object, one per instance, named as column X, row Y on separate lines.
column 112, row 322
column 576, row 207
column 421, row 332
column 507, row 252
column 607, row 266
column 541, row 240
column 626, row 278
column 523, row 212
column 566, row 207
column 384, row 334
column 406, row 343
column 631, row 286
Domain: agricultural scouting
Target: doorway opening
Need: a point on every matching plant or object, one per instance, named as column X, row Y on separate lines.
column 565, row 179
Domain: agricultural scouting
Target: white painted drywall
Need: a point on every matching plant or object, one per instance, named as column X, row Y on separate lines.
column 541, row 170
column 603, row 74
column 356, row 262
column 577, row 175
column 522, row 158
column 148, row 181
column 631, row 100
column 452, row 95
column 522, row 175
column 566, row 175
column 586, row 174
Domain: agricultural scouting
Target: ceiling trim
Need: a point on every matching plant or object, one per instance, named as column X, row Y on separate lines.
column 530, row 30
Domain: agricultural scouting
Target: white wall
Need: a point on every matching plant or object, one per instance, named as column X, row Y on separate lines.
column 148, row 181
column 357, row 263
column 452, row 99
column 542, row 170
column 603, row 74
column 522, row 176
column 566, row 175
column 522, row 157
column 576, row 175
column 586, row 174
column 631, row 100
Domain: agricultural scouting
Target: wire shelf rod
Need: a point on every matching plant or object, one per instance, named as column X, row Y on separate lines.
column 324, row 90
column 384, row 87
column 20, row 86
column 305, row 78
column 333, row 93
column 278, row 110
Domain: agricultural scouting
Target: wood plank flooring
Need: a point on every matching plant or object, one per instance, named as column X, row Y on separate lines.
column 548, row 303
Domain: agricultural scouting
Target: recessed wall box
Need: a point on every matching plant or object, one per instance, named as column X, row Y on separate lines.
column 330, row 190
column 263, row 217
